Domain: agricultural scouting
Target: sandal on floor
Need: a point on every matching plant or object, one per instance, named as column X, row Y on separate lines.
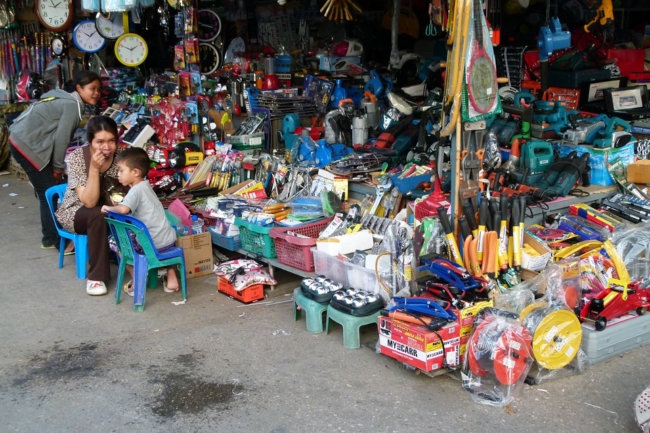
column 68, row 253
column 128, row 288
column 642, row 410
column 164, row 283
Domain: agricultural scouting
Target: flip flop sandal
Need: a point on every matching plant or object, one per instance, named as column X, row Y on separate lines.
column 642, row 410
column 68, row 253
column 164, row 283
column 128, row 288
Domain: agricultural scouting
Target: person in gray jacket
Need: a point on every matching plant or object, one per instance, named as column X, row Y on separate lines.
column 40, row 136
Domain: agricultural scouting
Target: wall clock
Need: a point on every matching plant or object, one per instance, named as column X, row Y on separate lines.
column 58, row 46
column 110, row 26
column 209, row 58
column 55, row 15
column 209, row 25
column 131, row 49
column 86, row 37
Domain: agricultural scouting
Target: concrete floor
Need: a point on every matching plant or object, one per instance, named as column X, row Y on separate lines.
column 74, row 363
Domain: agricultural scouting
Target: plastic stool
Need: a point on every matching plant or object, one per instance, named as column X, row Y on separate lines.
column 350, row 324
column 313, row 309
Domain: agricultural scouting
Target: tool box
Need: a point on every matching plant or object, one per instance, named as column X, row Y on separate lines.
column 621, row 335
column 575, row 79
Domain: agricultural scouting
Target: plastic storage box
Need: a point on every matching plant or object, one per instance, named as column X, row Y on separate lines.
column 620, row 336
column 255, row 239
column 296, row 251
column 346, row 273
column 248, row 295
column 232, row 243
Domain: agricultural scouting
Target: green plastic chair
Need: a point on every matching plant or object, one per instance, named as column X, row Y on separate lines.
column 144, row 265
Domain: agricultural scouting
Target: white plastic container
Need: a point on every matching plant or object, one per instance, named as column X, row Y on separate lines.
column 346, row 273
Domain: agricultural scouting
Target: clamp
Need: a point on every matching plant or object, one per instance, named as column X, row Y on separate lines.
column 451, row 273
column 425, row 306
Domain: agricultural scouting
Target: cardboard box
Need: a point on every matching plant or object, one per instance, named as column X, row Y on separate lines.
column 255, row 139
column 535, row 263
column 346, row 244
column 639, row 172
column 415, row 345
column 198, row 254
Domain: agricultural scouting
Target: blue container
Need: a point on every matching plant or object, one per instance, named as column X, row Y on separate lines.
column 231, row 243
column 409, row 183
column 283, row 64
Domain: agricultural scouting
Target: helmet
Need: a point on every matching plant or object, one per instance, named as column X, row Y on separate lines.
column 29, row 86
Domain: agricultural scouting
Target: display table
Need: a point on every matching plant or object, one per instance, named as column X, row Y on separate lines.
column 358, row 191
column 275, row 263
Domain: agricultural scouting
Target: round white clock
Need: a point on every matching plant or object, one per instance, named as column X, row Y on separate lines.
column 131, row 49
column 54, row 15
column 110, row 26
column 86, row 37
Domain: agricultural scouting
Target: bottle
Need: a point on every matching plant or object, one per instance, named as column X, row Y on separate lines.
column 197, row 225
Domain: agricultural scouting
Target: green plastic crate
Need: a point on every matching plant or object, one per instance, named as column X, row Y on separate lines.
column 255, row 239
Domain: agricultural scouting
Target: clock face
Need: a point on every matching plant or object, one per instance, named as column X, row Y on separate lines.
column 57, row 46
column 210, row 59
column 209, row 25
column 236, row 47
column 86, row 37
column 111, row 27
column 55, row 15
column 131, row 49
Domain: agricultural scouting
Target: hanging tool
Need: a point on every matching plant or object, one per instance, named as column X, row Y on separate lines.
column 481, row 77
column 449, row 234
column 471, row 159
column 503, row 234
column 431, row 30
column 483, row 216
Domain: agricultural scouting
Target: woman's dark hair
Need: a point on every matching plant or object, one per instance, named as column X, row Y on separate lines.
column 100, row 123
column 81, row 78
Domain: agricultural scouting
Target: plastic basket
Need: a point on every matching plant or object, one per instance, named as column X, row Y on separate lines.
column 296, row 251
column 248, row 295
column 346, row 273
column 232, row 243
column 255, row 239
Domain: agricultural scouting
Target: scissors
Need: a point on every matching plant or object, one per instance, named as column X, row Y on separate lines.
column 431, row 29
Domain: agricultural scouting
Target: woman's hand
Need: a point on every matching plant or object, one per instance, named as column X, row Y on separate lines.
column 98, row 160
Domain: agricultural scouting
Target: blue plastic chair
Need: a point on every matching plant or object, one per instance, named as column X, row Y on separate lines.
column 144, row 265
column 80, row 241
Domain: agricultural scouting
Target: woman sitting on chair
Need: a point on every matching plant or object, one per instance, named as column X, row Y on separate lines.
column 92, row 179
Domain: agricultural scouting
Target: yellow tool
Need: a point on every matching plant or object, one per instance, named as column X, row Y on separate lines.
column 573, row 249
column 604, row 17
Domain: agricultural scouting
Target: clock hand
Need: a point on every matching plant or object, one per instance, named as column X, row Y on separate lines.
column 205, row 25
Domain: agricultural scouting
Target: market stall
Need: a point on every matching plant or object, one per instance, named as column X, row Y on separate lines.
column 481, row 203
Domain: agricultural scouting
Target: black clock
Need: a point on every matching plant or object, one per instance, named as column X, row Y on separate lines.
column 209, row 58
column 209, row 25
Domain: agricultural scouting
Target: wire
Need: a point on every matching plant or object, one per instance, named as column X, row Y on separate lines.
column 381, row 283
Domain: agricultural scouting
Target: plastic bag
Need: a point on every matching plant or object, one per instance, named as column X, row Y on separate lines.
column 633, row 245
column 90, row 5
column 497, row 359
column 555, row 329
column 434, row 237
column 398, row 279
column 520, row 296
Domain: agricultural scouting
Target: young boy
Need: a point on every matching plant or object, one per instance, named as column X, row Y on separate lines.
column 141, row 201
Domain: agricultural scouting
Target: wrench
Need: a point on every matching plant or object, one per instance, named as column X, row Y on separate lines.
column 382, row 189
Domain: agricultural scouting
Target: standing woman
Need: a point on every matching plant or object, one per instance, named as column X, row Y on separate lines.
column 92, row 179
column 40, row 136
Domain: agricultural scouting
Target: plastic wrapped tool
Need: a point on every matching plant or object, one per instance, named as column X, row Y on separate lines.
column 498, row 358
column 555, row 329
column 633, row 245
